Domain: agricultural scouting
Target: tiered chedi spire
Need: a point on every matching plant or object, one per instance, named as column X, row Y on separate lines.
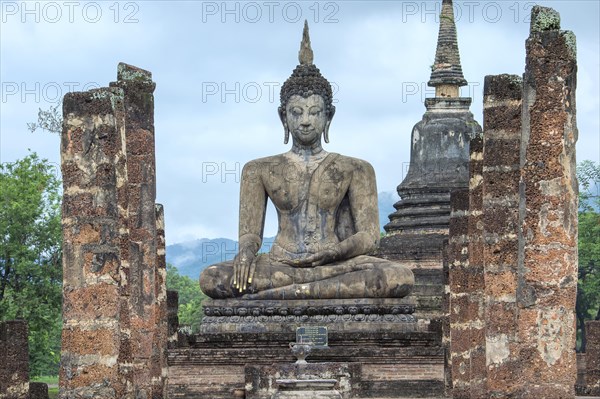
column 446, row 71
column 440, row 143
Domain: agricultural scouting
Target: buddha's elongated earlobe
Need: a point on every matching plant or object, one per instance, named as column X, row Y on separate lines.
column 327, row 124
column 281, row 112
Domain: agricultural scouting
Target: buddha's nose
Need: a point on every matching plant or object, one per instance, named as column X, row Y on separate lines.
column 304, row 120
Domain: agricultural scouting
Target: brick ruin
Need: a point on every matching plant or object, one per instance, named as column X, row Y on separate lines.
column 14, row 358
column 523, row 195
column 506, row 325
column 591, row 377
column 114, row 295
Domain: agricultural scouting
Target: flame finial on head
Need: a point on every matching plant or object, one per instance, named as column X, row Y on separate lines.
column 305, row 55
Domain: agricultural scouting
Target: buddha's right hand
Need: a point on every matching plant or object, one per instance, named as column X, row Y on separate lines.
column 244, row 266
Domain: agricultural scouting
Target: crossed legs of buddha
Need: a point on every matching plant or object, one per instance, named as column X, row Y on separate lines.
column 359, row 277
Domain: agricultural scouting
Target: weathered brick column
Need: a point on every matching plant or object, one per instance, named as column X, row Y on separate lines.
column 92, row 145
column 460, row 303
column 475, row 276
column 465, row 260
column 547, row 284
column 445, row 319
column 137, row 86
column 114, row 292
column 159, row 362
column 14, row 358
column 172, row 318
column 501, row 174
column 592, row 355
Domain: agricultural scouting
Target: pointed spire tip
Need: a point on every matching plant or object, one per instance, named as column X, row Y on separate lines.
column 305, row 55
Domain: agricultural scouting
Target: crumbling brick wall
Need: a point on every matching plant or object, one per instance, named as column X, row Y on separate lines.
column 500, row 180
column 113, row 343
column 466, row 283
column 529, row 226
column 547, row 285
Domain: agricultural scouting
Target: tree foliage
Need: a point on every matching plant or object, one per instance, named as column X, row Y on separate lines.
column 30, row 256
column 190, row 298
column 588, row 287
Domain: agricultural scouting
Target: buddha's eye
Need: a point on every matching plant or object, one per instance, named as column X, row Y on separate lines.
column 315, row 111
column 297, row 111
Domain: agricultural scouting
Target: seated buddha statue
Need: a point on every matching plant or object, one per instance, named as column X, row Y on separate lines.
column 326, row 206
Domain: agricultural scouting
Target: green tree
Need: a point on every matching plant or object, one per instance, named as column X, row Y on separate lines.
column 588, row 287
column 190, row 298
column 30, row 256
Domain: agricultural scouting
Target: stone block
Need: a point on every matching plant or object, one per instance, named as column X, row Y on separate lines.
column 14, row 357
column 262, row 381
column 592, row 356
column 38, row 390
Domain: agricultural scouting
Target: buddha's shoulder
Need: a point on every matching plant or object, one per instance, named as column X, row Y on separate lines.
column 354, row 163
column 266, row 161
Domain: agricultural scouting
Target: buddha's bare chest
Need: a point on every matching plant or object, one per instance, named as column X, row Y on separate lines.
column 293, row 187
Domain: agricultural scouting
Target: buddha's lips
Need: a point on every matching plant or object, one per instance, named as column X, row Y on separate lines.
column 305, row 132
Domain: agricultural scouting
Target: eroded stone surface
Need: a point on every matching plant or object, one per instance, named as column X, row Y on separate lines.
column 114, row 310
column 547, row 282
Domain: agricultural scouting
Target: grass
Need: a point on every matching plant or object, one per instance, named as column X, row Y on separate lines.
column 48, row 379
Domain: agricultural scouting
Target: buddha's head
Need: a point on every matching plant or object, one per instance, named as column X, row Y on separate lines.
column 306, row 108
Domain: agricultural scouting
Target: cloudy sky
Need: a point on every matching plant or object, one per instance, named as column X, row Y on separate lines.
column 218, row 67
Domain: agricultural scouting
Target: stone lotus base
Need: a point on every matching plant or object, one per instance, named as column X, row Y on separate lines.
column 285, row 315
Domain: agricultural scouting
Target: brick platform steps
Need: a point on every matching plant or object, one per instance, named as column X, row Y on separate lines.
column 213, row 365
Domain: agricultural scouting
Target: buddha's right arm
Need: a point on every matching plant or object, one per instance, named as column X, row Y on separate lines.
column 253, row 204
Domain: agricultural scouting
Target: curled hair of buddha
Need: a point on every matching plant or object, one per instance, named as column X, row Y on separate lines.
column 305, row 81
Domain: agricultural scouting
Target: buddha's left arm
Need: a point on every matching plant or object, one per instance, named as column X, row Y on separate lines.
column 362, row 194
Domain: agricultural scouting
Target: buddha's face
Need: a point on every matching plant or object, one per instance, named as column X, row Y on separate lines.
column 306, row 118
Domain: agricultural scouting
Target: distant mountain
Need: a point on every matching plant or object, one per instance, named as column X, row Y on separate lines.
column 192, row 257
